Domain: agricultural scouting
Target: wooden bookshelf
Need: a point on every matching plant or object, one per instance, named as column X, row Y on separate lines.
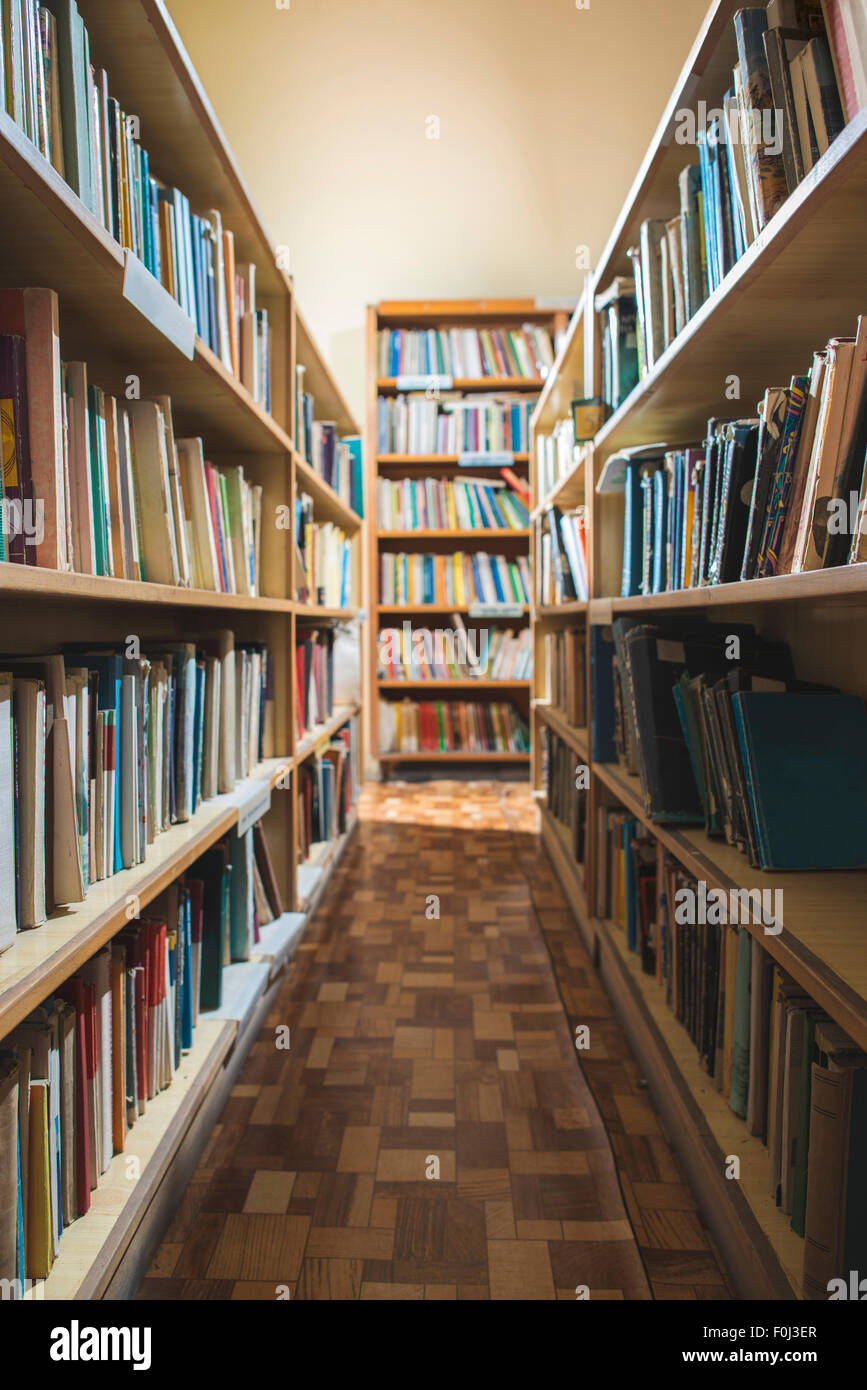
column 500, row 313
column 50, row 238
column 755, row 326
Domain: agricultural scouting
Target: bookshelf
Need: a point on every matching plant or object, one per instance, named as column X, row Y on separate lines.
column 801, row 282
column 501, row 315
column 121, row 321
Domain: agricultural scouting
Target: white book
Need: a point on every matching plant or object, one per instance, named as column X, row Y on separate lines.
column 8, row 922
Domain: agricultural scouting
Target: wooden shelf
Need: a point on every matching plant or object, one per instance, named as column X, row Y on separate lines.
column 439, row 460
column 386, row 385
column 41, row 959
column 818, row 229
column 822, row 941
column 555, row 719
column 453, row 757
column 315, row 738
column 433, row 312
column 480, row 534
column 326, row 504
column 92, row 1246
column 313, row 874
column 565, row 381
column 561, row 610
column 31, row 581
column 315, row 613
column 844, row 584
column 394, row 608
column 453, row 684
column 569, row 492
column 330, row 402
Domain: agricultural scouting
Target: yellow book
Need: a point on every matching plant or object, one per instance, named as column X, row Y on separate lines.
column 452, row 509
column 39, row 1238
column 460, row 590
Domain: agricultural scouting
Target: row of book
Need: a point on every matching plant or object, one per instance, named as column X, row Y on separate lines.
column 442, row 504
column 314, row 677
column 465, row 353
column 62, row 103
column 80, row 1071
column 783, row 493
column 444, row 654
column 323, row 559
column 555, row 456
column 338, row 461
column 795, row 85
column 564, row 674
column 722, row 733
column 103, row 747
column 442, row 726
column 460, row 579
column 562, row 554
column 327, row 790
column 564, row 798
column 450, row 423
column 792, row 1074
column 100, row 485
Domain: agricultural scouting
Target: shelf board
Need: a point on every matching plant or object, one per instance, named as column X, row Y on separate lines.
column 92, row 1246
column 32, row 581
column 822, row 941
column 315, row 612
column 480, row 534
column 41, row 959
column 453, row 757
column 329, row 400
column 818, row 229
column 50, row 238
column 565, row 381
column 577, row 738
column 444, row 460
column 561, row 610
column 394, row 608
column 457, row 311
column 569, row 491
column 323, row 732
column 485, row 383
column 844, row 583
column 453, row 684
column 326, row 503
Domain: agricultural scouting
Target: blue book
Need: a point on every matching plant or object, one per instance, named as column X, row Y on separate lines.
column 805, row 767
column 708, row 212
column 602, row 693
column 497, row 582
column 631, row 578
column 660, row 516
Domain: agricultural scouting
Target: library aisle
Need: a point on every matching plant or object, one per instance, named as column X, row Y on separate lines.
column 432, row 1008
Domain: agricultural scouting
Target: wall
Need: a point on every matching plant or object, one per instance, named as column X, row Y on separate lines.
column 544, row 109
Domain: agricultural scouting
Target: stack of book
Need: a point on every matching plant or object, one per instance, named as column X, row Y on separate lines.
column 795, row 86
column 417, row 654
column 564, row 673
column 439, row 504
column 314, row 677
column 103, row 747
column 708, row 717
column 783, row 493
column 562, row 542
column 785, row 1068
column 100, row 485
column 566, row 802
column 453, row 424
column 460, row 579
column 555, row 456
column 337, row 460
column 407, row 726
column 323, row 559
column 62, row 104
column 328, row 786
column 617, row 312
column 80, row 1071
column 465, row 353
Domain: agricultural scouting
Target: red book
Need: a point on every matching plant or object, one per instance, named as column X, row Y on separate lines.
column 74, row 992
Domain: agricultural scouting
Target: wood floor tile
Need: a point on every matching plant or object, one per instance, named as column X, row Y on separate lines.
column 449, row 1037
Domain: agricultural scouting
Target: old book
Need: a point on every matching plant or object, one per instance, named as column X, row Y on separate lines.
column 819, row 487
column 836, row 1217
column 768, row 171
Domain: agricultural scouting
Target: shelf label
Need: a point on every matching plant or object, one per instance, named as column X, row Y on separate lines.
column 156, row 304
column 430, row 382
column 496, row 610
column 476, row 458
column 254, row 809
column 600, row 612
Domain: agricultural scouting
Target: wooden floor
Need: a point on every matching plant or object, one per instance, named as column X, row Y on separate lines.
column 429, row 1033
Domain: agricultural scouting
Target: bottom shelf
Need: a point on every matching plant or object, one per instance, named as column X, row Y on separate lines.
column 763, row 1254
column 454, row 757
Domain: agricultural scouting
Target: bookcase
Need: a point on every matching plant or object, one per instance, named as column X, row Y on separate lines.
column 507, row 391
column 115, row 315
column 800, row 282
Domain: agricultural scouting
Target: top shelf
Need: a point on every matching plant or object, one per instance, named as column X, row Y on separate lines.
column 151, row 75
column 485, row 383
column 329, row 401
column 433, row 312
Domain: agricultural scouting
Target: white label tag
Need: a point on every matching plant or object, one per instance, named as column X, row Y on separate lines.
column 495, row 610
column 499, row 459
column 424, row 383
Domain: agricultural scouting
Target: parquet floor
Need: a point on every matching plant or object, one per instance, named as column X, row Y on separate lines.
column 430, row 1134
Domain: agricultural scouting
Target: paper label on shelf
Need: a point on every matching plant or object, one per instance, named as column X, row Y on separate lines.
column 600, row 611
column 424, row 383
column 666, row 650
column 495, row 610
column 255, row 808
column 502, row 458
column 156, row 304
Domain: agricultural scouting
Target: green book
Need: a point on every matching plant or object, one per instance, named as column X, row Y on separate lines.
column 98, row 497
column 741, row 1039
column 73, row 57
column 809, row 1055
